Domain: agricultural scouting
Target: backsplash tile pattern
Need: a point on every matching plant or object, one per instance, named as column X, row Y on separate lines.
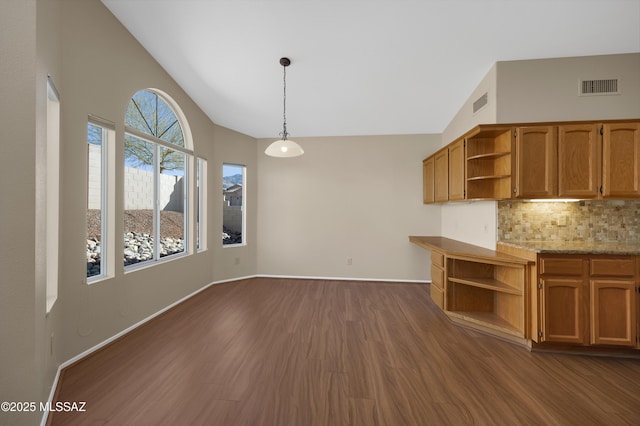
column 588, row 221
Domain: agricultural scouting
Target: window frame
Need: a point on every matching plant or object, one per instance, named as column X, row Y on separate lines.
column 187, row 191
column 243, row 206
column 201, row 200
column 107, row 198
column 52, row 209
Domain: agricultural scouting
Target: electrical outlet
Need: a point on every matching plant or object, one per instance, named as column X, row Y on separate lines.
column 237, row 261
column 562, row 220
column 349, row 261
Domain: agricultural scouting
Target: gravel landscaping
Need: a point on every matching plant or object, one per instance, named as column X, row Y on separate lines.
column 138, row 242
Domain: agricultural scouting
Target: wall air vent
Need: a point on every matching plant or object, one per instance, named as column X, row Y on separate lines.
column 599, row 87
column 480, row 102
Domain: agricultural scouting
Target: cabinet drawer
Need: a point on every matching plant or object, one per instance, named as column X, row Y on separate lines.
column 437, row 259
column 620, row 267
column 437, row 277
column 561, row 266
column 437, row 295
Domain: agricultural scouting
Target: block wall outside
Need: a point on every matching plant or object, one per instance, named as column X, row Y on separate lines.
column 138, row 187
column 232, row 217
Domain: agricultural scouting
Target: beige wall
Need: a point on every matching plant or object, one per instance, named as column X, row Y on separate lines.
column 474, row 222
column 346, row 197
column 234, row 148
column 18, row 316
column 547, row 89
column 465, row 119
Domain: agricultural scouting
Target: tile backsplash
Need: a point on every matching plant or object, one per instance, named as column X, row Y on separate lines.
column 589, row 221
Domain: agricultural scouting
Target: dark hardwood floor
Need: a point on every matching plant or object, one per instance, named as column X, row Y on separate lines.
column 295, row 352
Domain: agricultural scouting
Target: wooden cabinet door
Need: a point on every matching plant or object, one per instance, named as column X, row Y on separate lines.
column 613, row 312
column 579, row 162
column 621, row 160
column 456, row 171
column 564, row 310
column 441, row 175
column 428, row 180
column 536, row 173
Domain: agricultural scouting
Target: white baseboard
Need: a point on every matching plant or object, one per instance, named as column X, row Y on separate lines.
column 305, row 277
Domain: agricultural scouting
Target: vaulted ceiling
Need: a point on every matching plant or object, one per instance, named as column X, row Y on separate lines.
column 360, row 67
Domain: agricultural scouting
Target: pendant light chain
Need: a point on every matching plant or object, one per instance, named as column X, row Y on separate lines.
column 284, row 105
column 284, row 147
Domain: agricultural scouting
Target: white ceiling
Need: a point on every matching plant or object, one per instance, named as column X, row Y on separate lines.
column 360, row 67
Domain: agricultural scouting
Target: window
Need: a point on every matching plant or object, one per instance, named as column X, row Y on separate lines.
column 100, row 135
column 156, row 161
column 233, row 193
column 52, row 214
column 201, row 204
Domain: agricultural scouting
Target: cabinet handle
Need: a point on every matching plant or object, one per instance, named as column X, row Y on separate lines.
column 515, row 190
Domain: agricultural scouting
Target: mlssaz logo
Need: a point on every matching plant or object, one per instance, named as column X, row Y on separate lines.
column 64, row 406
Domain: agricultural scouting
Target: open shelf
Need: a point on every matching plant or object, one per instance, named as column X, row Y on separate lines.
column 489, row 164
column 487, row 293
column 488, row 177
column 490, row 187
column 490, row 155
column 488, row 283
column 487, row 319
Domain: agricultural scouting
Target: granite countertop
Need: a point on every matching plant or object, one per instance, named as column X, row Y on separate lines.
column 575, row 247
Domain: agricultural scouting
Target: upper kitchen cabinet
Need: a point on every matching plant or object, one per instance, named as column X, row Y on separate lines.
column 579, row 160
column 599, row 160
column 620, row 160
column 582, row 160
column 489, row 163
column 456, row 171
column 441, row 175
column 428, row 180
column 535, row 162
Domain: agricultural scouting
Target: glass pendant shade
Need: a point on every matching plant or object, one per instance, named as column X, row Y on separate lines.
column 284, row 148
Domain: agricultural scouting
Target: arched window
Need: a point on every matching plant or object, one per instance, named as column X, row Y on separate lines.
column 157, row 153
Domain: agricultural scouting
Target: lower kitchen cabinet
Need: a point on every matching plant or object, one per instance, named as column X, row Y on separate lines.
column 613, row 312
column 583, row 302
column 564, row 310
column 588, row 299
column 477, row 287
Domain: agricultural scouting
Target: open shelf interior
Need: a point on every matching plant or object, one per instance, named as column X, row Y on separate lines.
column 492, row 188
column 493, row 277
column 487, row 319
column 489, row 165
column 490, row 294
column 488, row 283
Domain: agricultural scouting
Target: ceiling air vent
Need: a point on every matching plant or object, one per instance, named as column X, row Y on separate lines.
column 480, row 102
column 599, row 87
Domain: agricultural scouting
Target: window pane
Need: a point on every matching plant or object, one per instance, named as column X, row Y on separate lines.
column 138, row 201
column 233, row 204
column 95, row 200
column 150, row 114
column 52, row 206
column 171, row 187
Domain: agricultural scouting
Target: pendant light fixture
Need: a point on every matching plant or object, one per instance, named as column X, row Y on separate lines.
column 284, row 147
